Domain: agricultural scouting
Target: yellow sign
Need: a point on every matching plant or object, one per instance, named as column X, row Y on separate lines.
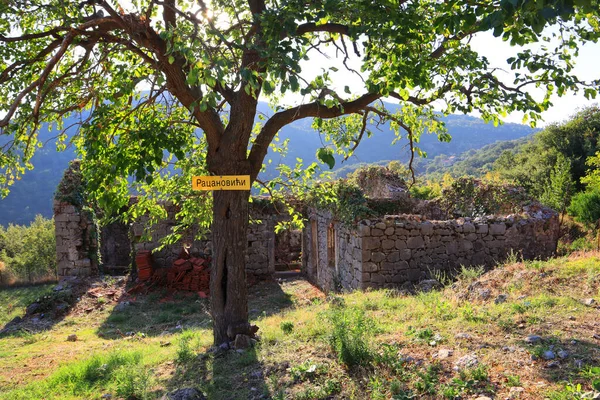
column 224, row 182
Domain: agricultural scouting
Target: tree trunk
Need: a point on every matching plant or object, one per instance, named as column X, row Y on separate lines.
column 229, row 303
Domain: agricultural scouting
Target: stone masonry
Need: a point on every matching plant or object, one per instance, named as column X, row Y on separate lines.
column 77, row 246
column 76, row 241
column 389, row 251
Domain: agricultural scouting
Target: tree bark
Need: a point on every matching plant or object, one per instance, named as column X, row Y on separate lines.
column 229, row 300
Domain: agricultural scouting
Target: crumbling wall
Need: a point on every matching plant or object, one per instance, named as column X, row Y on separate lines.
column 75, row 228
column 331, row 252
column 81, row 246
column 260, row 259
column 389, row 251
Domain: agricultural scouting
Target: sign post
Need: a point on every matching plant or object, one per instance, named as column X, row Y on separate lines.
column 222, row 182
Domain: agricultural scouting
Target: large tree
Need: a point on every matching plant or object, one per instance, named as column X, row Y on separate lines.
column 156, row 77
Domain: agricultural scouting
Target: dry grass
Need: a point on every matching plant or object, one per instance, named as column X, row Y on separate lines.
column 171, row 334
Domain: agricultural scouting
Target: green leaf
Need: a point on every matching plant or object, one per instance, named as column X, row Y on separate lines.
column 325, row 155
column 171, row 59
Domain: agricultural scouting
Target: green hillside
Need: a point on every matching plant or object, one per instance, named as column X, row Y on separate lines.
column 33, row 193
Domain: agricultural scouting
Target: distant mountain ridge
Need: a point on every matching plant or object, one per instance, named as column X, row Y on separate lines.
column 34, row 192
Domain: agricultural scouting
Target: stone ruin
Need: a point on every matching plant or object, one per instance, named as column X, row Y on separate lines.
column 383, row 251
column 392, row 250
column 85, row 249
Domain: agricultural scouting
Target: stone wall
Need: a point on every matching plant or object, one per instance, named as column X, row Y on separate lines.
column 389, row 251
column 260, row 260
column 81, row 246
column 331, row 252
column 76, row 241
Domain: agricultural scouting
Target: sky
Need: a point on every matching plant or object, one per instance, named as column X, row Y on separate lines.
column 587, row 67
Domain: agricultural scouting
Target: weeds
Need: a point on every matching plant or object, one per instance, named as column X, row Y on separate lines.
column 427, row 381
column 186, row 350
column 469, row 274
column 349, row 338
column 287, row 327
column 307, row 370
column 134, row 382
column 513, row 380
column 390, row 358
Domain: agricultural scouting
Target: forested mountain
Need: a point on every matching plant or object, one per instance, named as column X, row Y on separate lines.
column 474, row 162
column 33, row 193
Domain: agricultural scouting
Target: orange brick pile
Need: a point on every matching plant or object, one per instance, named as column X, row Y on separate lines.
column 143, row 260
column 192, row 274
column 187, row 273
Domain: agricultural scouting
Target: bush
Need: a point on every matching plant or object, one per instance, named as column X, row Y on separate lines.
column 287, row 327
column 29, row 252
column 349, row 338
column 585, row 207
column 470, row 197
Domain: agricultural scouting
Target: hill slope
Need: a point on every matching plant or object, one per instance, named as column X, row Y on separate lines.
column 33, row 194
column 522, row 331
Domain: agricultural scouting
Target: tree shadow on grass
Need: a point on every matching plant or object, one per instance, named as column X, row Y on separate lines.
column 44, row 307
column 579, row 358
column 223, row 375
column 163, row 311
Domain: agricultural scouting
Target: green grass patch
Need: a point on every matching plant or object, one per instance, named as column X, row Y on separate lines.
column 14, row 301
column 123, row 373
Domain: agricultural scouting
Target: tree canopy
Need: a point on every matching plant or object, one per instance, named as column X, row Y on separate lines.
column 177, row 81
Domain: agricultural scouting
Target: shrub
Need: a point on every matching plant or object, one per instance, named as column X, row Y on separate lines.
column 29, row 252
column 349, row 338
column 585, row 207
column 470, row 197
column 287, row 327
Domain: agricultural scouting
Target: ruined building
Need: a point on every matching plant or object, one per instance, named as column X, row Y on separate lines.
column 380, row 251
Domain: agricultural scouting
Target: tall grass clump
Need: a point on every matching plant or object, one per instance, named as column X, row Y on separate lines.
column 470, row 274
column 84, row 376
column 121, row 372
column 350, row 335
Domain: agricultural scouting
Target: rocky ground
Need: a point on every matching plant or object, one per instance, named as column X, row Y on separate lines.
column 521, row 331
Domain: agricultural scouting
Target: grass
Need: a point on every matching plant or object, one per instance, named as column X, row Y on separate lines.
column 361, row 345
column 13, row 301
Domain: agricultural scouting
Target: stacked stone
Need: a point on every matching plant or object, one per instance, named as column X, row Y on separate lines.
column 349, row 271
column 261, row 241
column 397, row 249
column 260, row 260
column 76, row 243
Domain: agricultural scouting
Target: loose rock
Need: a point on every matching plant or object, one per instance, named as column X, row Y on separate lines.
column 32, row 308
column 428, row 285
column 242, row 342
column 532, row 339
column 515, row 392
column 563, row 354
column 462, row 335
column 549, row 355
column 72, row 338
column 184, row 394
column 484, row 294
column 589, row 302
column 444, row 353
column 224, row 346
column 467, row 361
column 501, row 298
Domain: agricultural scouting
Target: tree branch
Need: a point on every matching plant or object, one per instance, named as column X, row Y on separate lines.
column 311, row 27
column 315, row 109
